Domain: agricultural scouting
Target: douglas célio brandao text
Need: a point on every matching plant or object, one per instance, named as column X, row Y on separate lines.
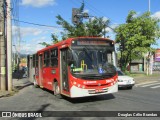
column 136, row 114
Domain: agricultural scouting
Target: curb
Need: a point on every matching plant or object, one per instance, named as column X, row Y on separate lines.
column 7, row 94
column 14, row 91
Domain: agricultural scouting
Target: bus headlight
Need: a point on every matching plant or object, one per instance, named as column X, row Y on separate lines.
column 74, row 83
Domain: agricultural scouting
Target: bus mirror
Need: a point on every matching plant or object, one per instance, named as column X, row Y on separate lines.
column 70, row 58
column 70, row 62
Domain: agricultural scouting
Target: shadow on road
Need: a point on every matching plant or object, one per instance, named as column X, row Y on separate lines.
column 84, row 99
column 19, row 87
column 124, row 88
column 90, row 98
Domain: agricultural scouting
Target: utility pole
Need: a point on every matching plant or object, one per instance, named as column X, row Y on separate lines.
column 150, row 54
column 2, row 48
column 9, row 46
column 149, row 5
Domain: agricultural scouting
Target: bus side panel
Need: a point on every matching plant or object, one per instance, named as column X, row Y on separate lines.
column 37, row 76
column 45, row 72
column 55, row 75
column 49, row 75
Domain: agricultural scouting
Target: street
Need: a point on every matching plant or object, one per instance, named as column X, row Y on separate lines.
column 143, row 97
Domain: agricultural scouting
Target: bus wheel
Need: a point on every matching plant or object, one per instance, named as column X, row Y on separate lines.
column 57, row 90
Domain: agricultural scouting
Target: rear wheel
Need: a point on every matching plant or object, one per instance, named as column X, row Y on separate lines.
column 57, row 90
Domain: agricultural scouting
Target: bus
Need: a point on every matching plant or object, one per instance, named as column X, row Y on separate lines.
column 76, row 67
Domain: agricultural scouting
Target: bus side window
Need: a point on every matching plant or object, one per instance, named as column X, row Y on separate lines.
column 54, row 57
column 36, row 60
column 46, row 59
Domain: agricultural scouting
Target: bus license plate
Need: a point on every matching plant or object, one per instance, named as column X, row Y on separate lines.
column 99, row 90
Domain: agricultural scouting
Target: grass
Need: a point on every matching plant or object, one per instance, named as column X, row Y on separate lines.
column 142, row 74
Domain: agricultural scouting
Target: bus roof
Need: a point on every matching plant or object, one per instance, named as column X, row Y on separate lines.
column 67, row 41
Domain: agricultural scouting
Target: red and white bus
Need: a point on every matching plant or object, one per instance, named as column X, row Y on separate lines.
column 76, row 67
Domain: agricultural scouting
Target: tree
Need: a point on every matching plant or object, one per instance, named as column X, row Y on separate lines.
column 93, row 27
column 44, row 44
column 137, row 35
column 54, row 41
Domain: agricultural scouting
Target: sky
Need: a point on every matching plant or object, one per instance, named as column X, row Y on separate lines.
column 44, row 12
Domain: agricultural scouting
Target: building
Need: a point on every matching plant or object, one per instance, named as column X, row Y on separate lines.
column 156, row 63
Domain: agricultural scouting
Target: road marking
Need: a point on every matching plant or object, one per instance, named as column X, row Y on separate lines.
column 156, row 86
column 144, row 83
column 150, row 84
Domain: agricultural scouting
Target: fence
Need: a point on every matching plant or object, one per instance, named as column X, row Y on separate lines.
column 156, row 67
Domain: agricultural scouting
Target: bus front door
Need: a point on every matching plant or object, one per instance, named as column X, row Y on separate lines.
column 64, row 70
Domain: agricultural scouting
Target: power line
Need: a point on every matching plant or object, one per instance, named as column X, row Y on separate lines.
column 15, row 13
column 37, row 24
column 96, row 11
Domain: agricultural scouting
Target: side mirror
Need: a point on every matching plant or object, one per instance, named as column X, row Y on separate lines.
column 69, row 62
column 70, row 58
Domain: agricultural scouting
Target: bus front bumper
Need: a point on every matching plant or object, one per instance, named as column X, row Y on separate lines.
column 80, row 92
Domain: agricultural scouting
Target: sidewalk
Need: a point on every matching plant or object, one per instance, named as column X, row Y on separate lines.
column 144, row 78
column 18, row 84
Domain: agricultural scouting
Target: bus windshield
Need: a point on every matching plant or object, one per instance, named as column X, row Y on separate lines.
column 92, row 62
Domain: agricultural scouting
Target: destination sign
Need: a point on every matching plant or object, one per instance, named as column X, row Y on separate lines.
column 91, row 42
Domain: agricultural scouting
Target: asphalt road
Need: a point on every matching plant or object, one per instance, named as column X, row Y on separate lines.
column 140, row 98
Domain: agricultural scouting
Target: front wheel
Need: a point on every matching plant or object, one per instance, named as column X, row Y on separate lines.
column 57, row 90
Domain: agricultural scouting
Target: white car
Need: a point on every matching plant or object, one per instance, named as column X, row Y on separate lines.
column 125, row 81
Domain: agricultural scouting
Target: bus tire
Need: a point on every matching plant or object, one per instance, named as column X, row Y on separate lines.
column 57, row 90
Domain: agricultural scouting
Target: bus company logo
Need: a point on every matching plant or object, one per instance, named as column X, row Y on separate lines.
column 109, row 81
column 89, row 82
column 21, row 114
column 6, row 114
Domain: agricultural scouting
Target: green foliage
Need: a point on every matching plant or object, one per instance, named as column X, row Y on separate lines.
column 93, row 27
column 54, row 41
column 138, row 34
column 44, row 44
column 54, row 38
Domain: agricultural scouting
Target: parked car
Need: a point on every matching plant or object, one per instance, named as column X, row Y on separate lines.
column 125, row 81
